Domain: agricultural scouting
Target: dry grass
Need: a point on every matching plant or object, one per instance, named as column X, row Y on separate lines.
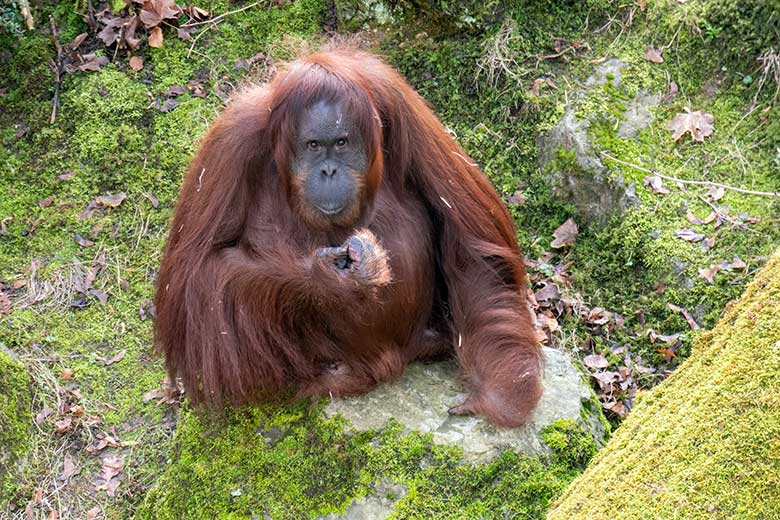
column 498, row 59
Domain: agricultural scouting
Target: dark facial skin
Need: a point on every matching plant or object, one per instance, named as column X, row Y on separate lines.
column 330, row 164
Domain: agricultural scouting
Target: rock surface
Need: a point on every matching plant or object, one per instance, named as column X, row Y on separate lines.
column 596, row 193
column 376, row 506
column 421, row 398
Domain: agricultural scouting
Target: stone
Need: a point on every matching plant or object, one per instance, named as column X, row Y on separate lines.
column 611, row 69
column 638, row 115
column 420, row 399
column 595, row 192
column 376, row 506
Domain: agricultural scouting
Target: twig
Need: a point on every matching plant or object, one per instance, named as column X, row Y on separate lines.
column 718, row 213
column 220, row 17
column 686, row 181
column 56, row 68
column 197, row 37
column 24, row 7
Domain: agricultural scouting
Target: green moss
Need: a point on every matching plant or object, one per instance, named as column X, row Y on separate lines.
column 571, row 444
column 294, row 463
column 704, row 442
column 15, row 422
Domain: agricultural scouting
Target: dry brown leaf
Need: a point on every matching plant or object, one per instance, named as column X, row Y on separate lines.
column 710, row 272
column 69, row 468
column 687, row 315
column 66, row 374
column 153, row 12
column 565, row 235
column 653, row 55
column 5, row 304
column 41, row 416
column 93, row 513
column 595, row 361
column 78, row 40
column 137, row 63
column 656, row 184
column 45, row 203
column 707, row 244
column 156, row 37
column 119, row 357
column 63, row 425
column 689, row 235
column 112, row 201
column 83, row 242
column 112, row 467
column 155, row 393
column 152, row 199
column 716, row 192
column 698, row 123
column 535, row 86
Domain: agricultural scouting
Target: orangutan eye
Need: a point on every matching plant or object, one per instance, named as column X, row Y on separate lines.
column 313, row 145
column 341, row 142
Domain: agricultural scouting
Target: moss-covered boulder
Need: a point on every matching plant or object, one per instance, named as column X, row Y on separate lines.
column 392, row 451
column 706, row 442
column 14, row 420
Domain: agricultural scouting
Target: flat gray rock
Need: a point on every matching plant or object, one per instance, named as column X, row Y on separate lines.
column 376, row 506
column 420, row 399
column 638, row 115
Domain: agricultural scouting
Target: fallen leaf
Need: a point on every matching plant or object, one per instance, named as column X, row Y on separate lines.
column 156, row 37
column 89, row 62
column 5, row 304
column 184, row 34
column 112, row 467
column 119, row 357
column 78, row 40
column 673, row 90
column 41, row 416
column 518, row 198
column 196, row 12
column 666, row 352
column 153, row 12
column 45, row 203
column 100, row 295
column 707, row 244
column 168, row 105
column 63, row 425
column 716, row 192
column 595, row 361
column 66, row 176
column 737, row 264
column 69, row 468
column 687, row 315
column 93, row 513
column 66, row 374
column 710, row 272
column 155, row 393
column 137, row 63
column 565, row 235
column 535, row 86
column 689, row 235
column 83, row 242
column 112, row 201
column 698, row 123
column 656, row 184
column 653, row 55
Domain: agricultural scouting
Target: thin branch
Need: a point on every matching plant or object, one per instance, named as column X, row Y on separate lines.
column 686, row 181
column 220, row 17
column 56, row 68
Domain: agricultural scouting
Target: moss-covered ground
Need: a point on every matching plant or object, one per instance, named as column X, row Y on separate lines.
column 92, row 362
column 706, row 442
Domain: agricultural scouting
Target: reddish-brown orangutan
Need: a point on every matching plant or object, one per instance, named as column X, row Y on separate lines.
column 329, row 231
